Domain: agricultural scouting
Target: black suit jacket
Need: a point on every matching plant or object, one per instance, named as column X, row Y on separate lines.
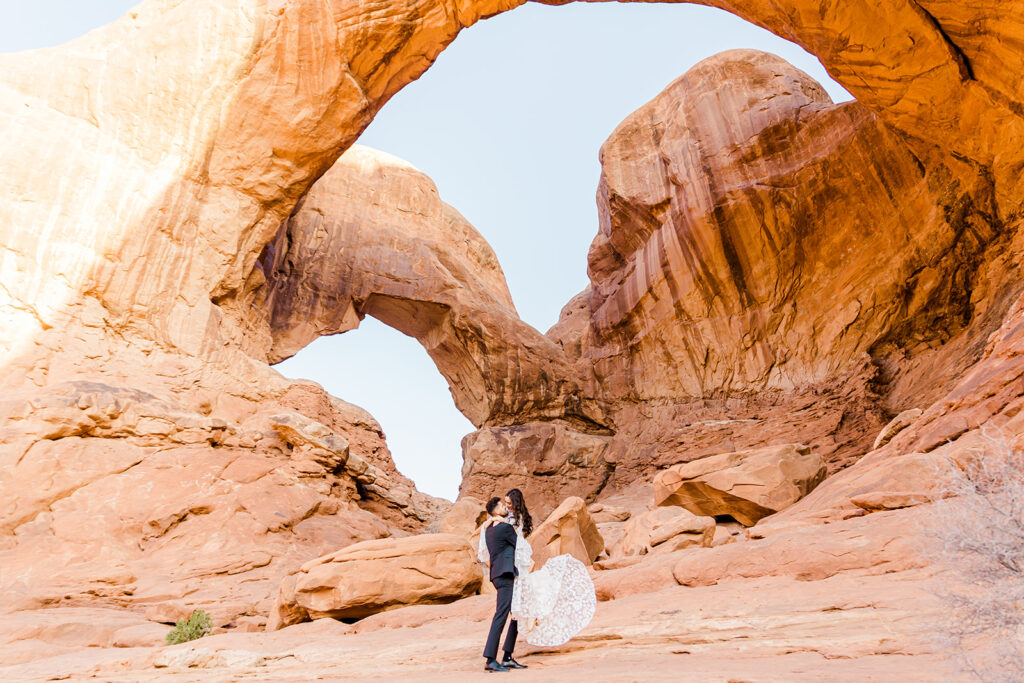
column 501, row 545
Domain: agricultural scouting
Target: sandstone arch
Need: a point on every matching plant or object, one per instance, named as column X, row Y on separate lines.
column 372, row 237
column 136, row 222
column 246, row 128
column 724, row 204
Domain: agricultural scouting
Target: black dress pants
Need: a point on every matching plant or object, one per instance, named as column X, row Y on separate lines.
column 504, row 585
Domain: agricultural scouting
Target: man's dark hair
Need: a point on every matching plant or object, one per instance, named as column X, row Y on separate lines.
column 491, row 504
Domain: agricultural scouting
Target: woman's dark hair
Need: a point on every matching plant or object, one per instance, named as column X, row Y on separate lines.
column 491, row 504
column 519, row 511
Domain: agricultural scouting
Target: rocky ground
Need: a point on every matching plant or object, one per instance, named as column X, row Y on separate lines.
column 848, row 627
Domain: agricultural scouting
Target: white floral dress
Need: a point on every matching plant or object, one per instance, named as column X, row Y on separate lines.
column 552, row 604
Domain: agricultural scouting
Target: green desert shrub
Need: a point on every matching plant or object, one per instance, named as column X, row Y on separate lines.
column 197, row 625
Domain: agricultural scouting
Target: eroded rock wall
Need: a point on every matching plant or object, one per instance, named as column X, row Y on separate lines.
column 771, row 265
column 372, row 237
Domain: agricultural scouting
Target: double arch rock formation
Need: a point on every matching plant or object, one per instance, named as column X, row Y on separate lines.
column 262, row 97
column 769, row 266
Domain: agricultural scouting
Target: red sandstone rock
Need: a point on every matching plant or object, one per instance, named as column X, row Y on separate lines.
column 746, row 485
column 374, row 576
column 876, row 543
column 546, row 461
column 568, row 529
column 600, row 512
column 770, row 267
column 372, row 237
column 664, row 529
column 898, row 423
column 464, row 517
column 694, row 285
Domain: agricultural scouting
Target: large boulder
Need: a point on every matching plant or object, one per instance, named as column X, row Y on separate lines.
column 664, row 529
column 547, row 461
column 872, row 544
column 745, row 485
column 374, row 576
column 602, row 513
column 569, row 529
column 464, row 517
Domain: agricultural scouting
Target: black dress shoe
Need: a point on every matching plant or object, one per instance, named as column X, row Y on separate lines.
column 512, row 664
column 492, row 665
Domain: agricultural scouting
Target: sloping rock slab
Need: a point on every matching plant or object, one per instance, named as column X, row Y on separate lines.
column 746, row 485
column 373, row 576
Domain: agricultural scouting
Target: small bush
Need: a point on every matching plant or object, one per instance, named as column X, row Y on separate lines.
column 977, row 538
column 197, row 625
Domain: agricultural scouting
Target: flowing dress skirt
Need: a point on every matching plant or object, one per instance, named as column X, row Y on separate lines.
column 554, row 603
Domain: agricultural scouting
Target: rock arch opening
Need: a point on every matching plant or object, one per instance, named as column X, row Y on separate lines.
column 479, row 393
column 390, row 375
column 724, row 206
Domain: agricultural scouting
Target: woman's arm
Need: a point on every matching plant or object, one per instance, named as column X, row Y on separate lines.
column 482, row 555
column 524, row 554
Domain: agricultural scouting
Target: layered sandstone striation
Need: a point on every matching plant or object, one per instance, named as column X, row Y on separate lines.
column 128, row 498
column 374, row 576
column 664, row 529
column 770, row 264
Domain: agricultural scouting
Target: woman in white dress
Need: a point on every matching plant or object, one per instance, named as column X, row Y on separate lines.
column 554, row 603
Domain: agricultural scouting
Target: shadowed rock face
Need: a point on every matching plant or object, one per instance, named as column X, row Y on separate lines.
column 372, row 237
column 746, row 486
column 546, row 460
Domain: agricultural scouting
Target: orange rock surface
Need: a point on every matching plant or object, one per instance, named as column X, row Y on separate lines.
column 567, row 530
column 769, row 268
column 373, row 576
column 747, row 486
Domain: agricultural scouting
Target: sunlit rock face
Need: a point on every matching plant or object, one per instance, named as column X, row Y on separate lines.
column 770, row 265
column 184, row 133
column 147, row 166
column 372, row 237
column 755, row 235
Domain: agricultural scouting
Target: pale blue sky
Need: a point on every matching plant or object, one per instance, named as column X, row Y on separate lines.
column 508, row 123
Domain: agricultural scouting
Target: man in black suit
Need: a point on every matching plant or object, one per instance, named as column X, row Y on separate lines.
column 501, row 547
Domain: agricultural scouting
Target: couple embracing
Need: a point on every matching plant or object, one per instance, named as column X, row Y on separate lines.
column 550, row 605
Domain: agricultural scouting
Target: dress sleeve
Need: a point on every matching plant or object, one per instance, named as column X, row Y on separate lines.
column 524, row 554
column 481, row 550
